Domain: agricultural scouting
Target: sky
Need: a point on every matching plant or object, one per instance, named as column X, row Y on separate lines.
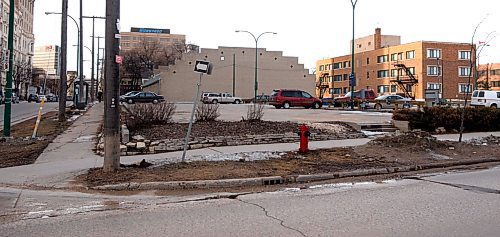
column 310, row 30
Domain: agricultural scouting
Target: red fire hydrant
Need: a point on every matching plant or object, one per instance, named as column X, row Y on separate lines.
column 304, row 139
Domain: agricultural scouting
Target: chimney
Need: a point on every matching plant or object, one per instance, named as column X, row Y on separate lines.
column 378, row 38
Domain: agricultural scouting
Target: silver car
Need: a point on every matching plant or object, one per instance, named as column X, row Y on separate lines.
column 389, row 102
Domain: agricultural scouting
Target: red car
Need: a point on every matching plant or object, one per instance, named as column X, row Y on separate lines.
column 285, row 98
column 370, row 95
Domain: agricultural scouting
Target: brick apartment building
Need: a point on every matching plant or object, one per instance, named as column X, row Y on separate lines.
column 490, row 74
column 389, row 67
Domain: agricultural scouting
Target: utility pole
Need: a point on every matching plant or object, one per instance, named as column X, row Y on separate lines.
column 98, row 59
column 234, row 74
column 80, row 48
column 112, row 88
column 63, row 86
column 93, row 92
column 352, row 77
column 8, row 86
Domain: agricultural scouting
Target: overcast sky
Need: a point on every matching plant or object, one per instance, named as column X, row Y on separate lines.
column 310, row 30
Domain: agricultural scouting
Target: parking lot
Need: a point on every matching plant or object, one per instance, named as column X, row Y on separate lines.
column 235, row 112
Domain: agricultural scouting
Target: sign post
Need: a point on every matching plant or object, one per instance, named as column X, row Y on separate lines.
column 201, row 67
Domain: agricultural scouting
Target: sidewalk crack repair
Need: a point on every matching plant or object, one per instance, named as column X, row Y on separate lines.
column 266, row 212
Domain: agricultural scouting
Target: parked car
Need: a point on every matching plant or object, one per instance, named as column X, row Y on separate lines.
column 259, row 99
column 40, row 98
column 215, row 98
column 32, row 98
column 52, row 98
column 15, row 98
column 389, row 102
column 285, row 98
column 486, row 98
column 142, row 97
column 369, row 95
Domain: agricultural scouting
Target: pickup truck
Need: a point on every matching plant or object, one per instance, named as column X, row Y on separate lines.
column 369, row 95
column 215, row 98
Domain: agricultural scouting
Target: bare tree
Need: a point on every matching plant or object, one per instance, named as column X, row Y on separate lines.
column 139, row 62
column 21, row 75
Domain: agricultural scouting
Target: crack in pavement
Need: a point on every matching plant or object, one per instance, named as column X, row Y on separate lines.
column 266, row 212
column 470, row 188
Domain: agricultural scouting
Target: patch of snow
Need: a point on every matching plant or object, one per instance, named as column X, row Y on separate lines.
column 85, row 139
column 370, row 133
column 243, row 157
column 293, row 190
column 389, row 181
column 73, row 118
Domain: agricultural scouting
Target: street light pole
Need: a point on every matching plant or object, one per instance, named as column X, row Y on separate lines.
column 80, row 92
column 256, row 86
column 352, row 81
column 98, row 59
column 8, row 86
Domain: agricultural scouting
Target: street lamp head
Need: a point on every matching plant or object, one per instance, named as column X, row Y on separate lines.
column 51, row 13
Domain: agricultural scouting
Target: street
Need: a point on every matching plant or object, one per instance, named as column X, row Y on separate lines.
column 25, row 110
column 452, row 204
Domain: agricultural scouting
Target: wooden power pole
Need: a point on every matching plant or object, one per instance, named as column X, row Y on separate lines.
column 112, row 87
column 63, row 86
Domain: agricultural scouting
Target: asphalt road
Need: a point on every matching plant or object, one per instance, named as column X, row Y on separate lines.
column 235, row 112
column 456, row 204
column 25, row 110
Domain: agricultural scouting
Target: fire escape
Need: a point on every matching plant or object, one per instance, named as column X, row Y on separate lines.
column 405, row 82
column 322, row 84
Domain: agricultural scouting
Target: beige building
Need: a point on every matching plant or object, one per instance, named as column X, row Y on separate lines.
column 178, row 82
column 489, row 74
column 46, row 60
column 23, row 37
column 137, row 36
column 408, row 69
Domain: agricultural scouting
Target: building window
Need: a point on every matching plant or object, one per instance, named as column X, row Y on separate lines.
column 394, row 72
column 382, row 59
column 367, row 75
column 330, row 67
column 383, row 89
column 367, row 61
column 322, row 68
column 400, row 56
column 433, row 53
column 412, row 70
column 434, row 86
column 394, row 57
column 464, row 88
column 345, row 77
column 410, row 54
column 464, row 71
column 337, row 78
column 337, row 65
column 464, row 55
column 382, row 73
column 347, row 64
column 433, row 71
column 394, row 88
column 346, row 89
column 336, row 91
column 222, row 58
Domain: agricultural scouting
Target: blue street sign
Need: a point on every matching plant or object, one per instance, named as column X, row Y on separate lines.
column 352, row 79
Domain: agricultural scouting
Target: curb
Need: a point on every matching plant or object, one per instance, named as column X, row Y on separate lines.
column 275, row 180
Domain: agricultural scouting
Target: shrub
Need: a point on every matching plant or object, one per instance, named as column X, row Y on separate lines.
column 142, row 115
column 475, row 119
column 255, row 112
column 207, row 112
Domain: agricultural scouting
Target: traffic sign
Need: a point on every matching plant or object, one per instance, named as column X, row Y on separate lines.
column 352, row 79
column 204, row 67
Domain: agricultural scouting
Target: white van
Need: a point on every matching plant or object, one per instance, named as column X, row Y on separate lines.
column 484, row 98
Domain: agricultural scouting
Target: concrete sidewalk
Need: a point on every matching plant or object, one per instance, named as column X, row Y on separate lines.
column 71, row 153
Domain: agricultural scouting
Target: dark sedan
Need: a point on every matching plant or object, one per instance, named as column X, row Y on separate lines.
column 142, row 97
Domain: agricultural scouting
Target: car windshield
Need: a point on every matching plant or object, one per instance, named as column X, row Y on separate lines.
column 275, row 93
column 131, row 93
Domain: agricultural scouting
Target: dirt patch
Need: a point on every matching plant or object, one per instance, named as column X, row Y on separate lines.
column 223, row 128
column 21, row 150
column 407, row 149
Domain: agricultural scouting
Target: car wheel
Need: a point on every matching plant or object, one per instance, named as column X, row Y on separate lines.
column 493, row 106
column 378, row 107
column 316, row 105
column 215, row 101
column 130, row 101
column 237, row 102
column 286, row 105
column 155, row 101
